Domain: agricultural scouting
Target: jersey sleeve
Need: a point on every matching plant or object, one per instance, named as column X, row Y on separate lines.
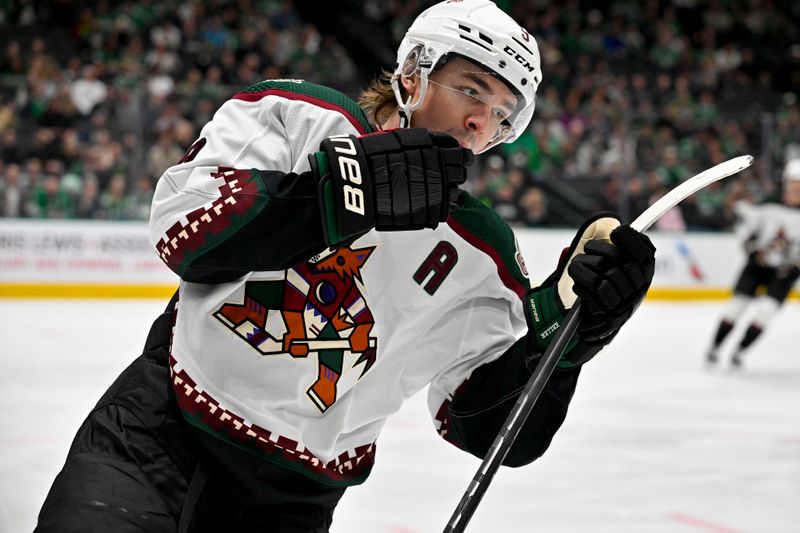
column 476, row 412
column 243, row 197
column 471, row 399
column 747, row 221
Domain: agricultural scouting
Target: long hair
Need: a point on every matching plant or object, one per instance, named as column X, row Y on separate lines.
column 377, row 100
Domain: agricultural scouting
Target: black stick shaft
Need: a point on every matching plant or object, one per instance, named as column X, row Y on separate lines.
column 513, row 424
column 533, row 389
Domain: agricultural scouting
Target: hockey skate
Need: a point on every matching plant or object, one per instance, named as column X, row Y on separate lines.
column 712, row 357
column 736, row 361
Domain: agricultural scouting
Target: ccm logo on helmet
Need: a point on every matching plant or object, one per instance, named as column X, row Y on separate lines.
column 521, row 60
column 351, row 173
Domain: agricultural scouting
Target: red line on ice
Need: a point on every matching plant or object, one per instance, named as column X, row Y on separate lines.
column 708, row 526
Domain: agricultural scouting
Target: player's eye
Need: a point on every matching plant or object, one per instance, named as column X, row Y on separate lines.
column 501, row 115
column 469, row 91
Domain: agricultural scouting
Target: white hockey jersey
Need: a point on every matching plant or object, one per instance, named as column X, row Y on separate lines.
column 773, row 230
column 304, row 362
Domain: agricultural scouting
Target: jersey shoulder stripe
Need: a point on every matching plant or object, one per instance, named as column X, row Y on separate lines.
column 484, row 229
column 319, row 95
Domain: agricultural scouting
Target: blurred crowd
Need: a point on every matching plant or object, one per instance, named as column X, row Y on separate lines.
column 643, row 95
column 97, row 99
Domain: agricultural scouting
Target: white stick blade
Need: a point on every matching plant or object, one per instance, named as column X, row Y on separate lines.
column 689, row 187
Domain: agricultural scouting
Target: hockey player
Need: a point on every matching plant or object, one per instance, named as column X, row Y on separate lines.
column 330, row 269
column 771, row 237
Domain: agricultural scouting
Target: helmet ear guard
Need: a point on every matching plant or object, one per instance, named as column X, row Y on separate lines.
column 414, row 63
column 411, row 64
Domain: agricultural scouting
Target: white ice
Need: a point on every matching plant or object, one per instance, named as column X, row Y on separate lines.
column 653, row 441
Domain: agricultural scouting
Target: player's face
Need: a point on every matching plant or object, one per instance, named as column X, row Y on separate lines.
column 471, row 105
column 791, row 193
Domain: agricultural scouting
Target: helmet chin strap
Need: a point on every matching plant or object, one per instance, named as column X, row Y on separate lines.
column 407, row 108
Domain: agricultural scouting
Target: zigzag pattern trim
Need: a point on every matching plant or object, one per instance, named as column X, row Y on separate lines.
column 442, row 420
column 204, row 226
column 350, row 467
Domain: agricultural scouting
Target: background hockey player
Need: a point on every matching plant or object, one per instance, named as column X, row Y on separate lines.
column 771, row 237
column 331, row 268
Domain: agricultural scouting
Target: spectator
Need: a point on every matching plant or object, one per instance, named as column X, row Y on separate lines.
column 12, row 62
column 494, row 174
column 505, row 198
column 162, row 57
column 184, row 133
column 163, row 154
column 102, row 157
column 114, row 204
column 534, row 208
column 638, row 199
column 10, row 150
column 159, row 85
column 70, row 150
column 141, row 198
column 49, row 200
column 60, row 111
column 128, row 111
column 88, row 91
column 619, row 158
column 45, row 143
column 87, row 205
column 34, row 172
column 13, row 193
column 672, row 220
column 672, row 171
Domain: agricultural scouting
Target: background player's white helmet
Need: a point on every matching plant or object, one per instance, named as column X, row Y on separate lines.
column 483, row 33
column 791, row 171
column 791, row 183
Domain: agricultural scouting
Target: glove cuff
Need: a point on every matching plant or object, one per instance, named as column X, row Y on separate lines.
column 544, row 314
column 344, row 189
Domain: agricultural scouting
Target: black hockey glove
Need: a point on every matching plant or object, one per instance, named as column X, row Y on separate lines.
column 610, row 267
column 404, row 179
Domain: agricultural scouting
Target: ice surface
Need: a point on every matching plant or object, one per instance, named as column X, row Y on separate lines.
column 653, row 442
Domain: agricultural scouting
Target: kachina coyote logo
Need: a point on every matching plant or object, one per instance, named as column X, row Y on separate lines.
column 316, row 309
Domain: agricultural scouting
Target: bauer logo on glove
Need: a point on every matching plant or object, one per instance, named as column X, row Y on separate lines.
column 392, row 181
column 350, row 172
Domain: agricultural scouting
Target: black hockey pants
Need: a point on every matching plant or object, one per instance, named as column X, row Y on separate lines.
column 136, row 466
column 778, row 282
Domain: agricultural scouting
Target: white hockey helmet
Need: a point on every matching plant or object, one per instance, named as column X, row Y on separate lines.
column 791, row 183
column 481, row 32
column 791, row 172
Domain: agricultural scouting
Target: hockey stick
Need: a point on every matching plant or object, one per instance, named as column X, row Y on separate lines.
column 527, row 398
column 316, row 345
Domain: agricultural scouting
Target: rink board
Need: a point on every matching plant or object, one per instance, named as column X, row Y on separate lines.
column 91, row 259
